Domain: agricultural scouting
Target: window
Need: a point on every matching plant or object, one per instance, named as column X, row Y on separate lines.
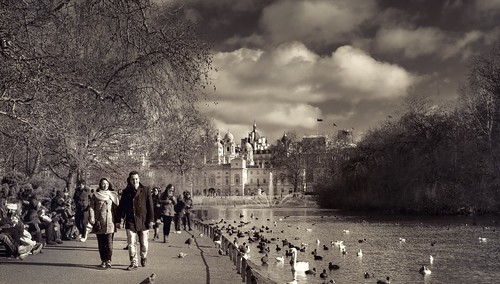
column 227, row 181
column 264, row 180
column 251, row 180
column 237, row 179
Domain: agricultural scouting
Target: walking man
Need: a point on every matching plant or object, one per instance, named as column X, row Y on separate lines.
column 136, row 207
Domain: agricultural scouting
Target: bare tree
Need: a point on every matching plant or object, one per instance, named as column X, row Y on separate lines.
column 91, row 77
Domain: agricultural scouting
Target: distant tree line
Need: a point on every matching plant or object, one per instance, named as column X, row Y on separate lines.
column 430, row 159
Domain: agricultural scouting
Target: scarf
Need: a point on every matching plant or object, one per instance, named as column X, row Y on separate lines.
column 105, row 195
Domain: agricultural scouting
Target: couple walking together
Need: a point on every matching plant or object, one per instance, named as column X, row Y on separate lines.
column 107, row 211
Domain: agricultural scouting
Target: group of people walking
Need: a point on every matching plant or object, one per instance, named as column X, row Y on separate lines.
column 100, row 212
column 139, row 209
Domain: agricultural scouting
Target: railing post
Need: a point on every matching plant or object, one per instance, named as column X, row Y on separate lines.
column 244, row 270
column 238, row 262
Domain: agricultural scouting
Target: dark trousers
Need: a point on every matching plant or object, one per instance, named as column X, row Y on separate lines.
column 177, row 221
column 167, row 221
column 105, row 245
column 186, row 220
column 7, row 240
column 81, row 221
column 38, row 227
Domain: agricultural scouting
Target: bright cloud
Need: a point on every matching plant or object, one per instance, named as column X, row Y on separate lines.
column 285, row 85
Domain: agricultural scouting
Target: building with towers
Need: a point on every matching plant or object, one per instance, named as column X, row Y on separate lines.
column 243, row 169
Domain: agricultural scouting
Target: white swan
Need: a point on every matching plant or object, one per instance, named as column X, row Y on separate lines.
column 298, row 265
column 431, row 259
column 424, row 270
column 280, row 258
column 359, row 253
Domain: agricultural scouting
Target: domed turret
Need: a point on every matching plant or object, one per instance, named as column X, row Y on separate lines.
column 228, row 137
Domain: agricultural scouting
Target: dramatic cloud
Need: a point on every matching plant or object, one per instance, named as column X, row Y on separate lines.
column 284, row 86
column 314, row 21
column 424, row 41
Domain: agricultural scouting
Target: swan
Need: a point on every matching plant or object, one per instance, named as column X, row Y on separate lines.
column 359, row 253
column 298, row 265
column 431, row 259
column 280, row 259
column 424, row 270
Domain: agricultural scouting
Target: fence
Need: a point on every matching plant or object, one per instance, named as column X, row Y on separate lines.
column 248, row 274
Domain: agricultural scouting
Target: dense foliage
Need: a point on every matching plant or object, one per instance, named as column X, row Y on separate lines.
column 429, row 160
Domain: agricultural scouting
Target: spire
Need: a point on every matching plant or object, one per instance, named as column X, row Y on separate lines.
column 254, row 125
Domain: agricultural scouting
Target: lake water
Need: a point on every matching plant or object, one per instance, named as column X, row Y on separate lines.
column 462, row 252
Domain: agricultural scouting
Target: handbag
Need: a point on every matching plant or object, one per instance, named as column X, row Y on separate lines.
column 97, row 226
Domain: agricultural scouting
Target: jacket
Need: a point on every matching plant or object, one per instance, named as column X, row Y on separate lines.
column 136, row 207
column 167, row 204
column 102, row 212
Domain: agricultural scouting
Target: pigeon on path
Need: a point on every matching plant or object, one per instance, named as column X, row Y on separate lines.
column 149, row 280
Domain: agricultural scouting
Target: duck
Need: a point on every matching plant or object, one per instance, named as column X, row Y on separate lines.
column 424, row 270
column 318, row 257
column 431, row 259
column 402, row 240
column 367, row 275
column 311, row 272
column 280, row 258
column 323, row 274
column 298, row 265
column 386, row 281
column 332, row 266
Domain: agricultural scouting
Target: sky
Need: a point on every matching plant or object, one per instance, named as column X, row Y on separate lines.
column 353, row 64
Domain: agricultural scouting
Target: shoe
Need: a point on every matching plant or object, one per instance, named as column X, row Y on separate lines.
column 132, row 267
column 178, row 232
column 190, row 229
column 125, row 248
column 37, row 249
column 59, row 241
column 83, row 239
column 108, row 264
column 102, row 265
column 144, row 261
column 22, row 256
column 51, row 243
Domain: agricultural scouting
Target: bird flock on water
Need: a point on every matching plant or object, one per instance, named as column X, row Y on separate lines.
column 287, row 251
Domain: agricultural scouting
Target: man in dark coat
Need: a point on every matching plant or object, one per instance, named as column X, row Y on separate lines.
column 82, row 203
column 136, row 208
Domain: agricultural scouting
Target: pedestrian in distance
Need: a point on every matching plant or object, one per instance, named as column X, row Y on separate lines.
column 157, row 212
column 188, row 205
column 168, row 203
column 82, row 203
column 103, row 205
column 136, row 208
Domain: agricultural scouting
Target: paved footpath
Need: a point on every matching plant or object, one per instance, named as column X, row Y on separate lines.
column 76, row 262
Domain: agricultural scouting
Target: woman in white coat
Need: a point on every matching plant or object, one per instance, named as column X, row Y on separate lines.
column 103, row 206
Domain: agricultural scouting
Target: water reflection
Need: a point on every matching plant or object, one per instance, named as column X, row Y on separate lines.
column 462, row 253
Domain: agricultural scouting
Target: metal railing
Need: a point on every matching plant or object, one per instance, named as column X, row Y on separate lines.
column 248, row 274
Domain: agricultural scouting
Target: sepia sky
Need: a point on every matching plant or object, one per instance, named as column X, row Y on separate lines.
column 285, row 63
